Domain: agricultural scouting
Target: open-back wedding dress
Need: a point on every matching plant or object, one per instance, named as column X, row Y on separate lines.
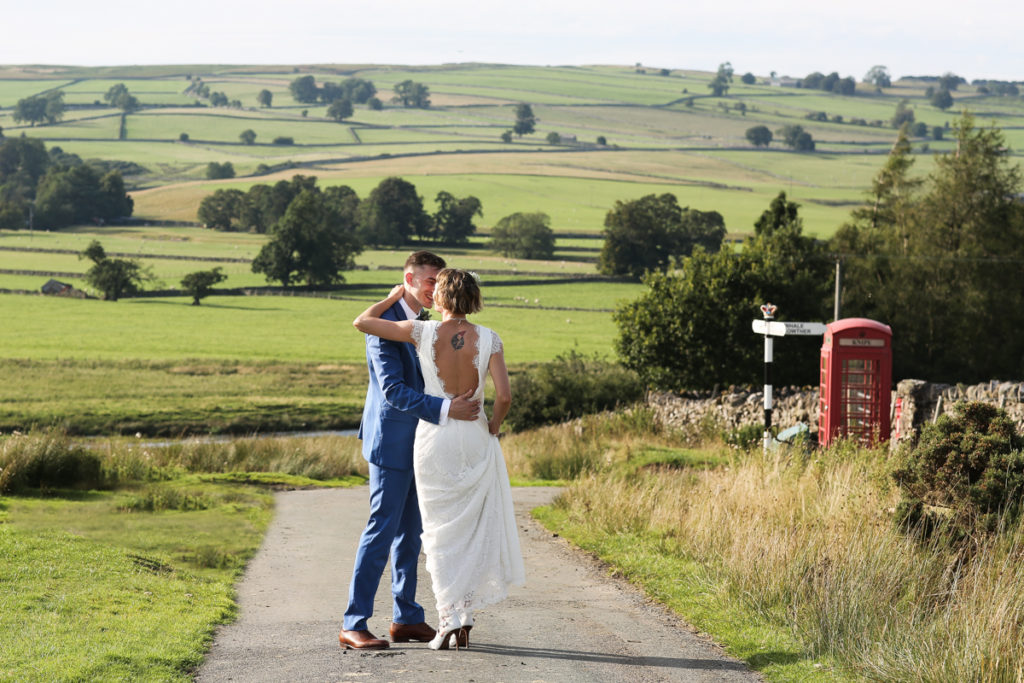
column 469, row 530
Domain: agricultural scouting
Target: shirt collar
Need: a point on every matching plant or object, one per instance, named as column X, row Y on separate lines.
column 409, row 313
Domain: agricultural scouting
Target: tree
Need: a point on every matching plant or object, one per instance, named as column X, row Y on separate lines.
column 113, row 277
column 748, row 78
column 118, row 96
column 284, row 140
column 375, row 104
column 506, row 136
column 648, row 233
column 247, row 136
column 199, row 284
column 878, row 75
column 23, row 161
column 392, row 213
column 217, row 171
column 340, row 109
column 796, row 137
column 524, row 235
column 759, row 136
column 942, row 99
column 222, row 210
column 359, row 90
column 719, row 85
column 453, row 221
column 845, row 86
column 950, row 81
column 312, row 243
column 813, row 80
column 602, row 140
column 554, row 138
column 304, row 90
column 331, row 92
column 705, row 308
column 409, row 93
column 265, row 98
column 904, row 114
column 935, row 263
column 525, row 120
column 218, row 99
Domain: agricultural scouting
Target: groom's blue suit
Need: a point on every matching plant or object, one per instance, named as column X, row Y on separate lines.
column 395, row 402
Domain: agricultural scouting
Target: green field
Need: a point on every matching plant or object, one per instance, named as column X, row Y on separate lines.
column 662, row 134
column 643, row 116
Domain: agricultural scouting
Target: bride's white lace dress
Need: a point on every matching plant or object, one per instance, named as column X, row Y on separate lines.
column 469, row 530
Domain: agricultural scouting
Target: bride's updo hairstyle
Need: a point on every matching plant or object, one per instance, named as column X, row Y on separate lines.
column 457, row 292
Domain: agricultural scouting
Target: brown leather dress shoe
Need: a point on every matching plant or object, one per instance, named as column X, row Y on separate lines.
column 361, row 640
column 403, row 633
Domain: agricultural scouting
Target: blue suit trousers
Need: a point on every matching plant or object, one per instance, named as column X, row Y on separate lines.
column 394, row 528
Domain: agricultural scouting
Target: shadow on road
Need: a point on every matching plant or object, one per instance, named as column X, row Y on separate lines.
column 607, row 658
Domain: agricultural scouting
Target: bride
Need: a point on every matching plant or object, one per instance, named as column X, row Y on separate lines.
column 469, row 532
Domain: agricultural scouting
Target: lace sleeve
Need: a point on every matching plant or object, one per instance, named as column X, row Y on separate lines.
column 417, row 332
column 496, row 345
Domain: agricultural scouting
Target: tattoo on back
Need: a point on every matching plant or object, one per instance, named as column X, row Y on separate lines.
column 458, row 340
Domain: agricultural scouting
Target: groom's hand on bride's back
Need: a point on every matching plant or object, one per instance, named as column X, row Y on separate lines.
column 462, row 408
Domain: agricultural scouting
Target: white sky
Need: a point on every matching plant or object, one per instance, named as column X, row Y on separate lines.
column 979, row 39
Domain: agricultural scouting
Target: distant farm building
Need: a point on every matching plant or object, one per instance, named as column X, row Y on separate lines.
column 58, row 288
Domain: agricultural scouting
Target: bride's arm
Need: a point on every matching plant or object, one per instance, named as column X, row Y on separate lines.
column 370, row 321
column 502, row 392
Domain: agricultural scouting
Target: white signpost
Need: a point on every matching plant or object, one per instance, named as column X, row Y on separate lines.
column 779, row 329
column 772, row 328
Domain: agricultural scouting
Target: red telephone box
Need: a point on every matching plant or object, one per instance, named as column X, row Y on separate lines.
column 856, row 376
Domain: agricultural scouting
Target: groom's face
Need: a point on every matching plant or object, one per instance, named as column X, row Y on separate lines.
column 420, row 283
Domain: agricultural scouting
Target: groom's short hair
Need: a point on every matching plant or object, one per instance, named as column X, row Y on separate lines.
column 424, row 258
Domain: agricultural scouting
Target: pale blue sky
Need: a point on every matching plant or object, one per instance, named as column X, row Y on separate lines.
column 979, row 39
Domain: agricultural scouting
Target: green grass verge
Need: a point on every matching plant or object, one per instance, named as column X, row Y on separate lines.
column 91, row 592
column 691, row 589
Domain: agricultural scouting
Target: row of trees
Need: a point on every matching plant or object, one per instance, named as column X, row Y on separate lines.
column 793, row 135
column 936, row 258
column 830, row 83
column 53, row 189
column 316, row 233
column 48, row 107
column 391, row 215
column 305, row 90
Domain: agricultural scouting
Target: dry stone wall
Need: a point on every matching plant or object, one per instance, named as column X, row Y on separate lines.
column 919, row 402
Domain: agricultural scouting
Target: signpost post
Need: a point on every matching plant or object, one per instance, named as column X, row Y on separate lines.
column 770, row 328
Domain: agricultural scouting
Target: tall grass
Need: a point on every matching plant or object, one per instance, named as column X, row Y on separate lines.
column 807, row 541
column 587, row 445
column 50, row 460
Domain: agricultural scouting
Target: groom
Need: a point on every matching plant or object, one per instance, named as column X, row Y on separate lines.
column 395, row 402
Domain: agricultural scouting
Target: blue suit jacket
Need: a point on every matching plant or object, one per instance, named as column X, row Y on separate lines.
column 395, row 401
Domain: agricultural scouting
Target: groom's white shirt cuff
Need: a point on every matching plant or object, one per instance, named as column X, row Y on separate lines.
column 447, row 403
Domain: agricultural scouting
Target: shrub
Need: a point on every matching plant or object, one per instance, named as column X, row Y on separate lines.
column 284, row 140
column 965, row 473
column 570, row 386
